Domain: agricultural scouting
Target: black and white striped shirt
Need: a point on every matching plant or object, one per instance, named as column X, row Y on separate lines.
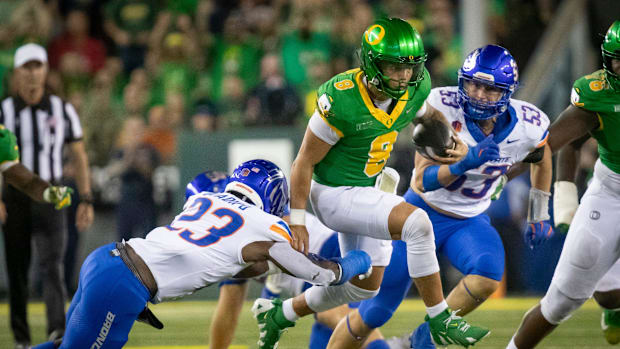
column 42, row 130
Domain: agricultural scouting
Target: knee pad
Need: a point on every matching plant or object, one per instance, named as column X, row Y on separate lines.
column 319, row 337
column 557, row 307
column 320, row 298
column 418, row 235
column 375, row 314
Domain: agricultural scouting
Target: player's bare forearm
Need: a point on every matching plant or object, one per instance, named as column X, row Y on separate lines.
column 444, row 176
column 542, row 171
column 572, row 124
column 311, row 152
column 26, row 181
column 282, row 254
column 568, row 159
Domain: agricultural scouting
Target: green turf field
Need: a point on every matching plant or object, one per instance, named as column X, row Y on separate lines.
column 186, row 326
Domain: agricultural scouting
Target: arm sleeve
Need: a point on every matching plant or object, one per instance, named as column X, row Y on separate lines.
column 300, row 266
column 322, row 129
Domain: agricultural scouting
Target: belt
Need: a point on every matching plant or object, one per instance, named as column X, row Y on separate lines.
column 137, row 266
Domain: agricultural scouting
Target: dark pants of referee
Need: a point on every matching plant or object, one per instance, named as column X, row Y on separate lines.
column 33, row 224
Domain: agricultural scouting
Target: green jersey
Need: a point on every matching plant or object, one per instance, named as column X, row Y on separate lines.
column 9, row 152
column 593, row 93
column 367, row 133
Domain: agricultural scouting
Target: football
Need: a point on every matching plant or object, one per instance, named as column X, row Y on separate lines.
column 431, row 138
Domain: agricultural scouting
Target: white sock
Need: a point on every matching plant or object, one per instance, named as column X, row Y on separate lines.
column 288, row 311
column 512, row 344
column 437, row 309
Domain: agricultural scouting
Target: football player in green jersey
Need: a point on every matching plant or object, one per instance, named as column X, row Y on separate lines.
column 589, row 262
column 339, row 165
column 21, row 178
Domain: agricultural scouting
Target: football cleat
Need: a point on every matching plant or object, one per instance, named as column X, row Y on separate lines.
column 610, row 323
column 448, row 328
column 271, row 322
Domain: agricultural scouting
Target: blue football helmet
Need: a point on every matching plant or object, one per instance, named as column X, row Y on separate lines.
column 491, row 65
column 263, row 183
column 212, row 181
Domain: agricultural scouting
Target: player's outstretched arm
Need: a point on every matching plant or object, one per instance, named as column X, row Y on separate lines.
column 312, row 150
column 311, row 268
column 36, row 188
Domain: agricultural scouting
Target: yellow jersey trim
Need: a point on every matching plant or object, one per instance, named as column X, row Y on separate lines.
column 384, row 118
column 338, row 132
column 600, row 122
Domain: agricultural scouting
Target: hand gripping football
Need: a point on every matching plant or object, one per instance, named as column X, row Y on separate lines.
column 431, row 138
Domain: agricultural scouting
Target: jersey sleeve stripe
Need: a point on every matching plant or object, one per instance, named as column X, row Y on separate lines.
column 545, row 137
column 5, row 165
column 338, row 132
column 278, row 230
column 600, row 122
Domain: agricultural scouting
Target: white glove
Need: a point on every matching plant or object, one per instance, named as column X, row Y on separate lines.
column 565, row 203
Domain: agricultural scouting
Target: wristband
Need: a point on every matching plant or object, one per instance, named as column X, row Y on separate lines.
column 298, row 216
column 87, row 199
column 458, row 168
column 430, row 180
column 47, row 195
column 538, row 208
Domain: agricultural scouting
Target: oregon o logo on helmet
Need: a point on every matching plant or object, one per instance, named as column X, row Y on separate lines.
column 374, row 34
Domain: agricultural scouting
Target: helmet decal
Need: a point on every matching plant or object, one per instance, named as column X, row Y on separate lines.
column 470, row 61
column 263, row 183
column 374, row 34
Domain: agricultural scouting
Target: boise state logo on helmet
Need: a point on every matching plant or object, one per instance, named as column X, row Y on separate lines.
column 263, row 183
column 212, row 181
column 490, row 65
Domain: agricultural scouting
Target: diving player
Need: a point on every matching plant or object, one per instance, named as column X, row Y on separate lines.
column 589, row 261
column 499, row 131
column 237, row 233
column 323, row 242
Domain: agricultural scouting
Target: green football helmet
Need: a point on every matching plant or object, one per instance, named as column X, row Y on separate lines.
column 392, row 40
column 611, row 50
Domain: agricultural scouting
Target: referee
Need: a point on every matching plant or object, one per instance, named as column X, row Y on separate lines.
column 43, row 124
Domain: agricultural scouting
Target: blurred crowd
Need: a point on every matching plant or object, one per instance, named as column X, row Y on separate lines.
column 138, row 70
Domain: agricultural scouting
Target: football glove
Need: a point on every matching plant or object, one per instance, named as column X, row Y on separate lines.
column 487, row 150
column 59, row 196
column 537, row 233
